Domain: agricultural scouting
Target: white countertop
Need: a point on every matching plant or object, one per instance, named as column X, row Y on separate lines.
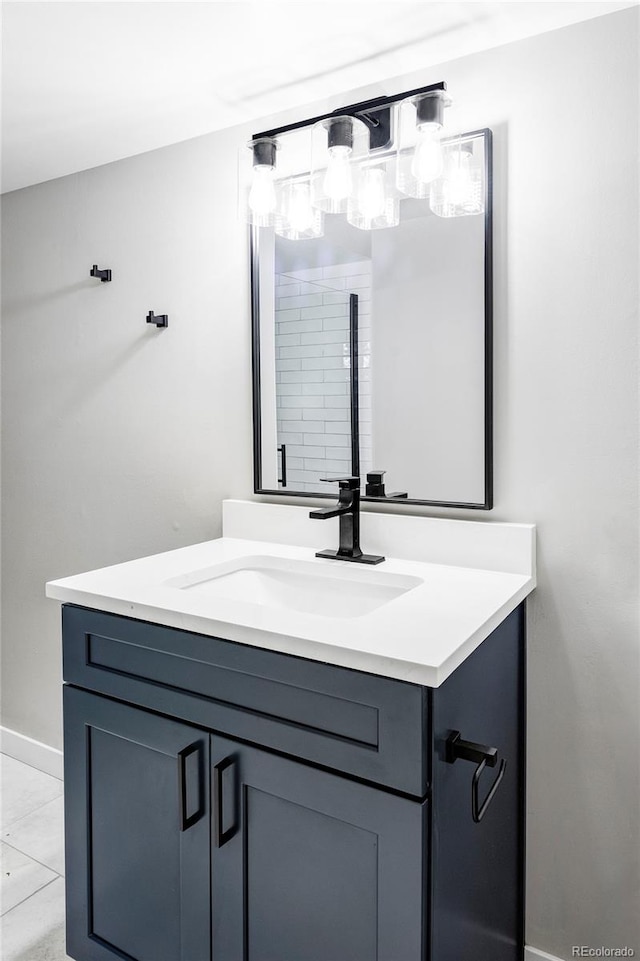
column 421, row 636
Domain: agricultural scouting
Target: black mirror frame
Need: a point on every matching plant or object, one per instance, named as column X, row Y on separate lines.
column 487, row 504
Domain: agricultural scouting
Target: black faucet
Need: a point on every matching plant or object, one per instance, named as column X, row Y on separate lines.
column 375, row 486
column 348, row 510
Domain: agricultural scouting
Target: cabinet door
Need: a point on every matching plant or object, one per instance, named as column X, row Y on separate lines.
column 309, row 866
column 137, row 834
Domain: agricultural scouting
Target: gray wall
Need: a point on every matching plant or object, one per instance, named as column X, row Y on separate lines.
column 428, row 357
column 121, row 440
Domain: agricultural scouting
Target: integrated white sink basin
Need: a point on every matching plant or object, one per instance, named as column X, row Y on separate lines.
column 443, row 588
column 326, row 588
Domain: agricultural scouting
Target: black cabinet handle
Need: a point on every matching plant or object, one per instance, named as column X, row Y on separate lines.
column 190, row 762
column 223, row 786
column 483, row 756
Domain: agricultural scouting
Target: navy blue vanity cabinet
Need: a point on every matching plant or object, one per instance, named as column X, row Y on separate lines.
column 230, row 803
column 314, row 867
column 138, row 833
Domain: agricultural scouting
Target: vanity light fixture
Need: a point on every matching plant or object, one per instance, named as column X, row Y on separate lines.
column 375, row 203
column 338, row 145
column 360, row 161
column 300, row 220
column 459, row 192
column 338, row 182
column 419, row 159
column 262, row 201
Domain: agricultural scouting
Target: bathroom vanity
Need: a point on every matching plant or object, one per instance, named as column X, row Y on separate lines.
column 268, row 782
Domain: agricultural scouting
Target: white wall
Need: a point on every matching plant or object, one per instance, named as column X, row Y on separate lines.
column 121, row 440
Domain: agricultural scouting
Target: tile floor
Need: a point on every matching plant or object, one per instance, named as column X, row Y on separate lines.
column 31, row 863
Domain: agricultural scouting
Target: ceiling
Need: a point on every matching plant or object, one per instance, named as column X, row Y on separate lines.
column 86, row 83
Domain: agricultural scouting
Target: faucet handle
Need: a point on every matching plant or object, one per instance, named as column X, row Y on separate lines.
column 344, row 483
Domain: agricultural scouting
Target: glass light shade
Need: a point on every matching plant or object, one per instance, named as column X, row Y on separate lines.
column 374, row 203
column 419, row 158
column 257, row 194
column 338, row 143
column 299, row 219
column 459, row 192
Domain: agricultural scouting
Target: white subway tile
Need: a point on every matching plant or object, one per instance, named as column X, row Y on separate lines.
column 336, row 296
column 282, row 293
column 331, row 440
column 339, row 453
column 338, row 403
column 302, row 376
column 308, row 273
column 306, row 450
column 294, row 463
column 304, row 300
column 296, row 477
column 300, row 401
column 336, row 427
column 326, row 388
column 322, row 465
column 312, row 426
column 321, row 363
column 292, row 422
column 287, row 340
column 339, row 375
column 329, row 414
column 290, row 438
column 287, row 365
column 359, row 281
column 284, row 390
column 328, row 310
column 325, row 337
column 335, row 350
column 309, row 350
column 283, row 316
column 335, row 323
column 301, row 326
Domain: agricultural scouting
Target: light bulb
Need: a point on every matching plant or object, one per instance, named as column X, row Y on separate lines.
column 372, row 198
column 427, row 158
column 338, row 182
column 459, row 185
column 262, row 196
column 300, row 213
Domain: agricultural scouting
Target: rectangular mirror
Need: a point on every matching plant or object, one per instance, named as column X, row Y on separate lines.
column 372, row 351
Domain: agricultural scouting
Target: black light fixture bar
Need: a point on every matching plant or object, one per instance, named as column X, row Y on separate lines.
column 362, row 111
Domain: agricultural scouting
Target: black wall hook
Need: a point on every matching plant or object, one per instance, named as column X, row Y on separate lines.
column 160, row 320
column 484, row 757
column 104, row 276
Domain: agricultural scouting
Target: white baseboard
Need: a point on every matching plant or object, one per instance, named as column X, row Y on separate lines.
column 533, row 954
column 34, row 753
